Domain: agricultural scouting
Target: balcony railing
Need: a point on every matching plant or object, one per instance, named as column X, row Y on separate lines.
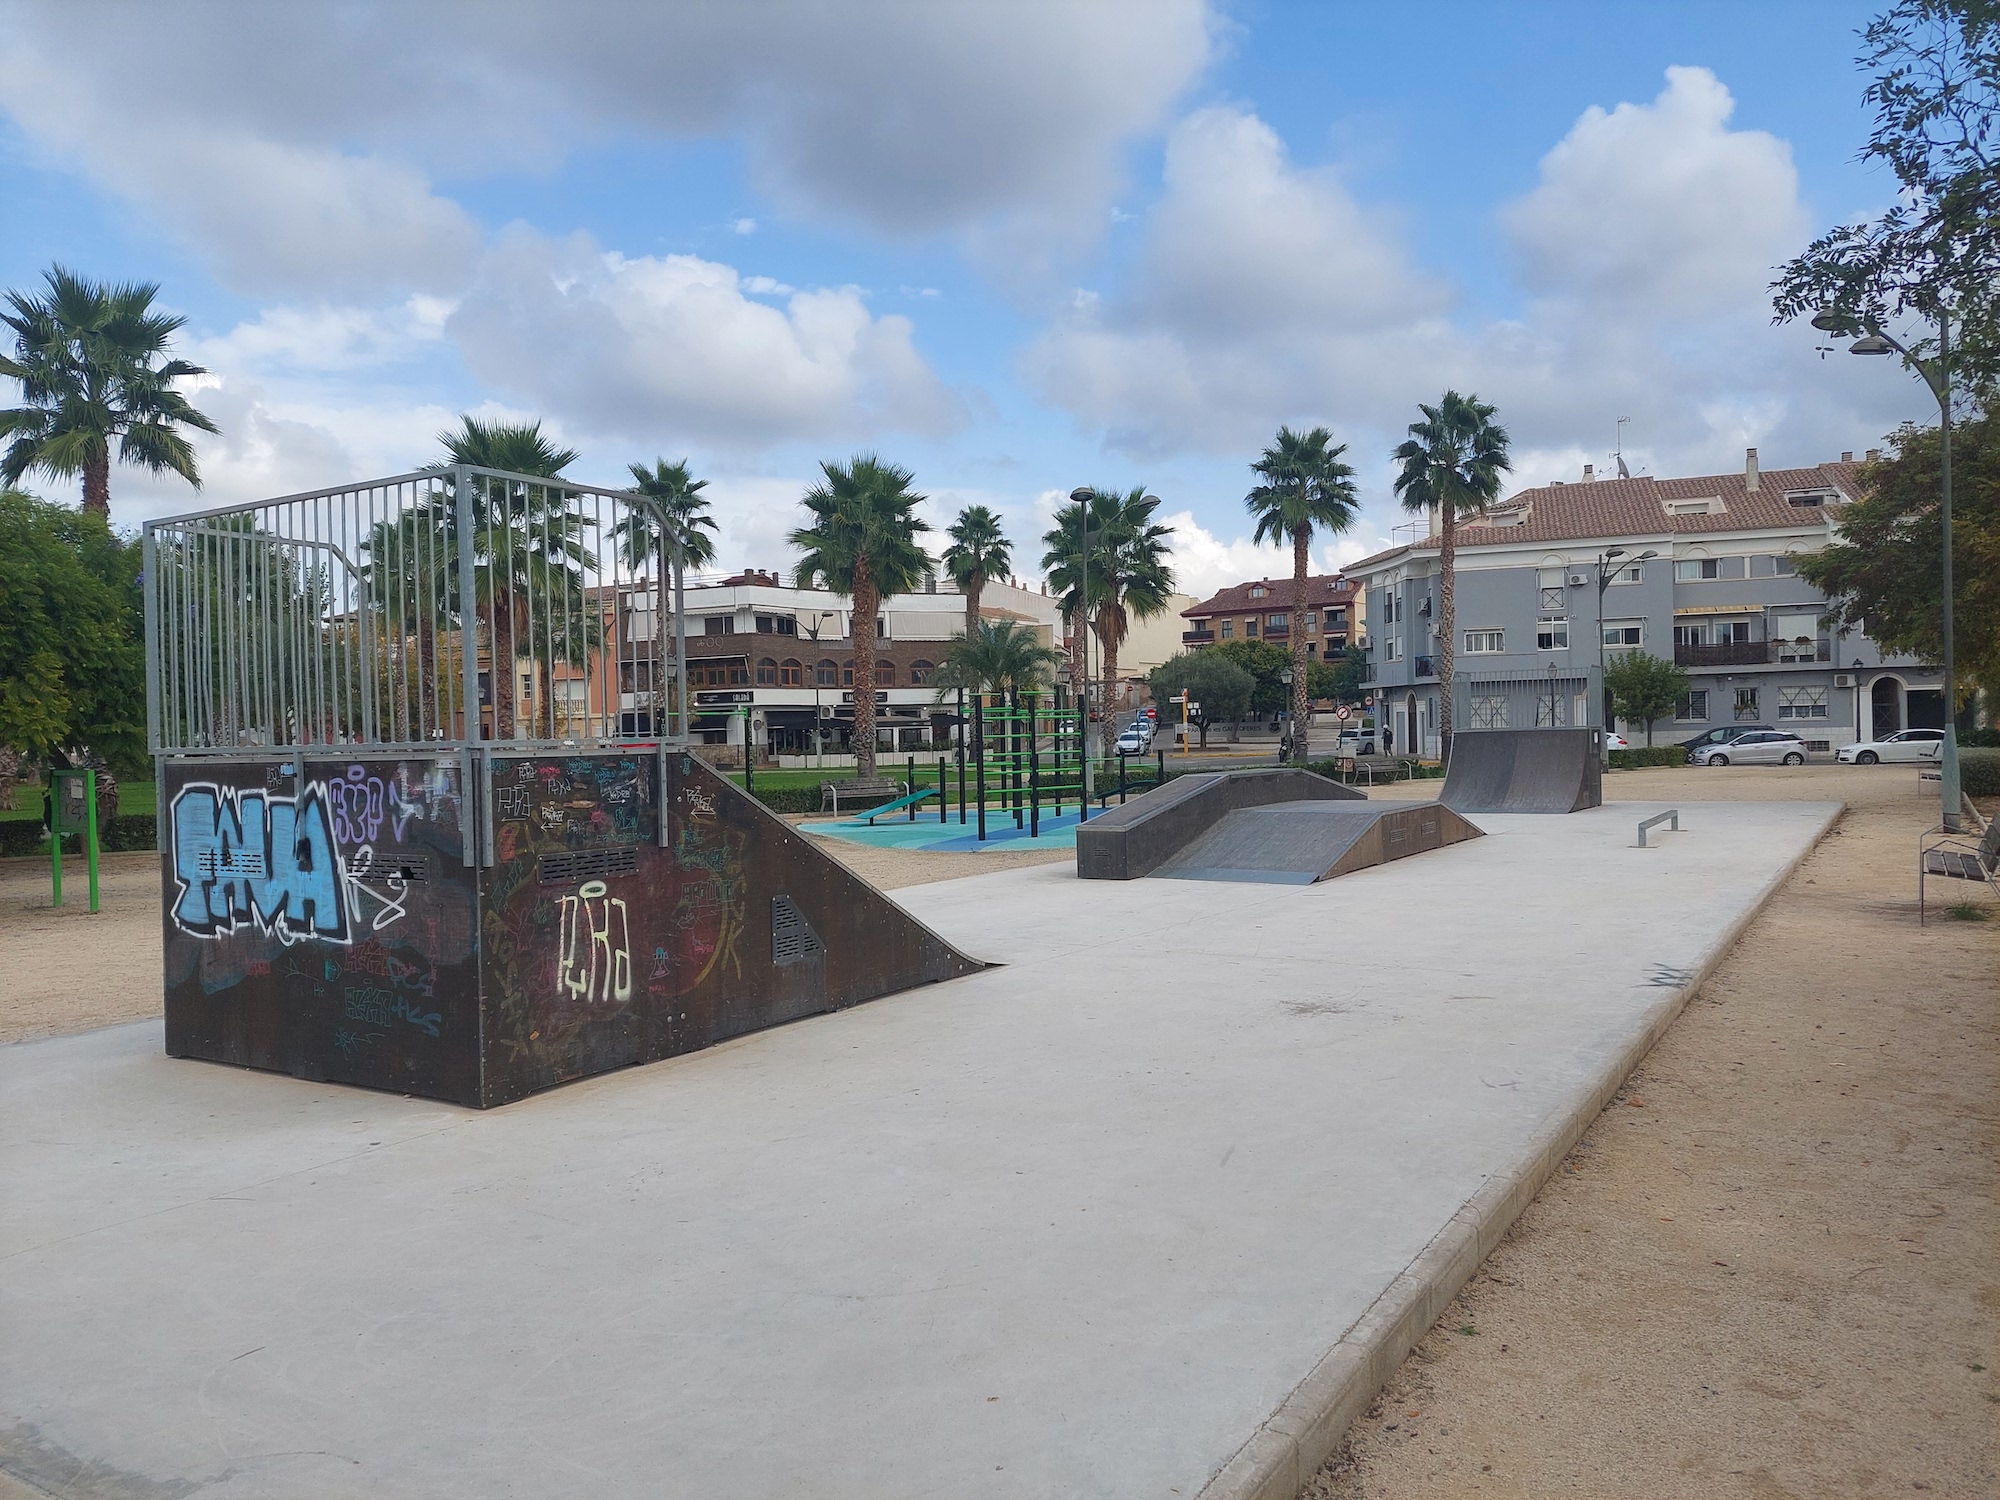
column 1752, row 653
column 1427, row 666
column 1197, row 637
column 1277, row 632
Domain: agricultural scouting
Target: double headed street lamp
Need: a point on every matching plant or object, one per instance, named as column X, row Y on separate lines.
column 1875, row 341
column 1605, row 573
column 1082, row 495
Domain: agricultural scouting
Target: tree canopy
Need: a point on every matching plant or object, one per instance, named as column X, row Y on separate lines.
column 1881, row 571
column 1212, row 680
column 90, row 358
column 979, row 553
column 999, row 656
column 72, row 647
column 1266, row 664
column 1644, row 688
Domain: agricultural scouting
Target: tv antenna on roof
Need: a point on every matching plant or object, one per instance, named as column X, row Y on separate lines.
column 1618, row 448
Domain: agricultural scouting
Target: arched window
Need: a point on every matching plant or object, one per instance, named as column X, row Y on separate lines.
column 920, row 673
column 885, row 674
column 767, row 671
column 790, row 674
column 828, row 673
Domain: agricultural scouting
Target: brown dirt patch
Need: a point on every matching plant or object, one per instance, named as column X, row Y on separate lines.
column 1772, row 1267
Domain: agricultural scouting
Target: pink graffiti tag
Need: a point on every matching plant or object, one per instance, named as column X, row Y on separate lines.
column 357, row 805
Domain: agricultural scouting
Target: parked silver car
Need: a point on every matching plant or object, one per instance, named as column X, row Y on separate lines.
column 1765, row 747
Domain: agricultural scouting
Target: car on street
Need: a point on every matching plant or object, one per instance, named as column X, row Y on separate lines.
column 1911, row 744
column 1616, row 741
column 1135, row 741
column 1762, row 747
column 1722, row 736
column 1354, row 742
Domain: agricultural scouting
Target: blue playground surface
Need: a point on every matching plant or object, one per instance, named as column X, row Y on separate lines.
column 896, row 831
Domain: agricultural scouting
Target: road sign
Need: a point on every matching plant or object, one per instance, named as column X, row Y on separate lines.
column 1368, row 701
column 1342, row 712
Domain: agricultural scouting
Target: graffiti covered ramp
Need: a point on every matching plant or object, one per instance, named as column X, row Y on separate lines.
column 1299, row 843
column 621, row 908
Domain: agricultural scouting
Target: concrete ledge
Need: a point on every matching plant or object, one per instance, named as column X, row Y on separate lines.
column 1302, row 1433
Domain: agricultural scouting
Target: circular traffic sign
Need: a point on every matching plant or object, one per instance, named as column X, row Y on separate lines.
column 1342, row 712
column 1369, row 701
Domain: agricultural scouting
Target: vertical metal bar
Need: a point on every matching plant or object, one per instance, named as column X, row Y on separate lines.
column 468, row 615
column 149, row 596
column 979, row 757
column 683, row 730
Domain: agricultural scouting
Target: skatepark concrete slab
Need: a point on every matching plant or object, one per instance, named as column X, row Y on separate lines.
column 1085, row 1224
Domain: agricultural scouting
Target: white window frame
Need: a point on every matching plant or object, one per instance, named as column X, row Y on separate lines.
column 1547, row 628
column 1489, row 643
column 1395, row 648
column 1697, row 569
column 1635, row 627
column 1751, row 699
column 1632, row 573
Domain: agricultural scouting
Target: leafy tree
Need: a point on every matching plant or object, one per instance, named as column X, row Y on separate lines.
column 863, row 543
column 1129, row 575
column 1303, row 487
column 1935, row 252
column 1452, row 462
column 1212, row 680
column 978, row 554
column 999, row 656
column 644, row 544
column 72, row 668
column 1267, row 665
column 1644, row 688
column 1881, row 570
column 1338, row 679
column 527, row 545
column 87, row 356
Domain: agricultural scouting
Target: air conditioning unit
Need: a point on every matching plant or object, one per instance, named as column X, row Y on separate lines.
column 1578, row 580
column 1846, row 680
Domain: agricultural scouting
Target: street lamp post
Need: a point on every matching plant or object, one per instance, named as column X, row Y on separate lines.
column 1876, row 342
column 1297, row 751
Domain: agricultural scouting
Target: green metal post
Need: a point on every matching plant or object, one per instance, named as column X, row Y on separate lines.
column 55, row 832
column 90, row 831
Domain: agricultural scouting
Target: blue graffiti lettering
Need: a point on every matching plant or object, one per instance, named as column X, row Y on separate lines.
column 245, row 858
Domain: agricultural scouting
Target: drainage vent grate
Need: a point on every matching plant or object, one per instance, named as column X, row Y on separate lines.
column 792, row 937
column 588, row 864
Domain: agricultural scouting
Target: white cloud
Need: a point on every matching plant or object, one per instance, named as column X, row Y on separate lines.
column 1263, row 292
column 670, row 344
column 326, row 338
column 298, row 144
column 1204, row 563
column 1661, row 207
column 745, row 226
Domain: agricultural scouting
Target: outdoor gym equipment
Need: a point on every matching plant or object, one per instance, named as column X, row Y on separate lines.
column 73, row 809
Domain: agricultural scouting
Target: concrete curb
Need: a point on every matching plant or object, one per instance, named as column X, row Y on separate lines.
column 1290, row 1444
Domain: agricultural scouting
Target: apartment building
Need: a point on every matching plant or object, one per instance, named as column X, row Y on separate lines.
column 1262, row 610
column 1704, row 575
column 775, row 661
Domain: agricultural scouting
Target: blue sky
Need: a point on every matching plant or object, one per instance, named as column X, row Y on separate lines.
column 1014, row 247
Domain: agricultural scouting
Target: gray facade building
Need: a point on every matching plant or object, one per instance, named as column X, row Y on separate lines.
column 1719, row 597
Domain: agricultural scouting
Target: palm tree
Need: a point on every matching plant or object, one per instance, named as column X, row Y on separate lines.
column 527, row 552
column 1063, row 563
column 1452, row 462
column 1127, row 567
column 979, row 552
column 863, row 543
column 85, row 357
column 642, row 541
column 1305, row 487
column 997, row 656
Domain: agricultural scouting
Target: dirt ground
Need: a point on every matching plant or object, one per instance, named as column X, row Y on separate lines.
column 1772, row 1267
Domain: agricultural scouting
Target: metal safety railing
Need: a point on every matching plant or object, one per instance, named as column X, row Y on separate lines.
column 449, row 608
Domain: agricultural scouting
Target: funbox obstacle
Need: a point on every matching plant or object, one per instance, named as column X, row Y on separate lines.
column 428, row 817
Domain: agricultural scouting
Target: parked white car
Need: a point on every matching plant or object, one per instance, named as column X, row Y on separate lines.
column 1766, row 747
column 1135, row 741
column 1911, row 744
column 1613, row 740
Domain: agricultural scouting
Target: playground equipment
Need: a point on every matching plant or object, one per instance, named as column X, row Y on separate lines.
column 73, row 809
column 1525, row 771
column 420, row 827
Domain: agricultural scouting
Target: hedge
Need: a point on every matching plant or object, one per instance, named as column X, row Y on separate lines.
column 1979, row 739
column 129, row 831
column 1979, row 772
column 1648, row 755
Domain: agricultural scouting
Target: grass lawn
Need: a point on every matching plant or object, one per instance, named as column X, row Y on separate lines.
column 133, row 797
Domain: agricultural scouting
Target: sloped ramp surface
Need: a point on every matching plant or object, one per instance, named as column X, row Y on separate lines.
column 1133, row 840
column 1524, row 771
column 1298, row 843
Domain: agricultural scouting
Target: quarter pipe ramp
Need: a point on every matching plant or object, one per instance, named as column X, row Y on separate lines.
column 1524, row 771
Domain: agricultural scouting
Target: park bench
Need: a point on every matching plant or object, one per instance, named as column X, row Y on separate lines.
column 875, row 789
column 1956, row 856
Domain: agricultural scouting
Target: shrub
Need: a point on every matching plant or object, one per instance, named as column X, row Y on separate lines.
column 1979, row 739
column 1648, row 755
column 1979, row 772
column 129, row 831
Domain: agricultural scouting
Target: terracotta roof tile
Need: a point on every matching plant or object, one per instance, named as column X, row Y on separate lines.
column 1322, row 590
column 1639, row 507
